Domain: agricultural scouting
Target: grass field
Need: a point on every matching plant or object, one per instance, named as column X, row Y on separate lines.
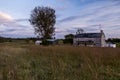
column 31, row 62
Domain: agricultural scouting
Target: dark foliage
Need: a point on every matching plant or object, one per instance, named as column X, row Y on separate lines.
column 69, row 36
column 43, row 20
column 45, row 42
column 113, row 40
column 68, row 39
column 79, row 31
column 2, row 39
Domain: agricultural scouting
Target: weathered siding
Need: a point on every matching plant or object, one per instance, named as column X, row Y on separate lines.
column 96, row 41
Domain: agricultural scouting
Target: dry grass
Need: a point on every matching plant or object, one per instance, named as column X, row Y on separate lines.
column 30, row 62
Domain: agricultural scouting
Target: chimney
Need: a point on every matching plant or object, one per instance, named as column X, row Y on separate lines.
column 101, row 31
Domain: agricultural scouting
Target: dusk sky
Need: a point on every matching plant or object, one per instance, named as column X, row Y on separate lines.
column 70, row 15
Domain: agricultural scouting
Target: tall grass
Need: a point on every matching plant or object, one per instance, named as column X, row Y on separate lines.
column 30, row 62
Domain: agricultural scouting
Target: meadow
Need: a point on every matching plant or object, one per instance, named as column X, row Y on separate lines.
column 59, row 62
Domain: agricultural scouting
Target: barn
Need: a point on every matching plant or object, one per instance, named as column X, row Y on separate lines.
column 90, row 39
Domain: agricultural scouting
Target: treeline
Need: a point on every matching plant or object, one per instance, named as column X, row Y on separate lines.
column 4, row 39
column 68, row 39
column 113, row 40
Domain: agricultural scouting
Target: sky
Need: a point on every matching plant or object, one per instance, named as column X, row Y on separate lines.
column 90, row 15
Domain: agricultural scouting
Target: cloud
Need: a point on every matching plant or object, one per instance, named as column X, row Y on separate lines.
column 71, row 15
column 106, row 13
column 5, row 16
column 21, row 20
column 10, row 27
column 69, row 19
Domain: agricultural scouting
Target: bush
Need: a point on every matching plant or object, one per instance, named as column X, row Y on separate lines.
column 68, row 41
column 118, row 44
column 45, row 42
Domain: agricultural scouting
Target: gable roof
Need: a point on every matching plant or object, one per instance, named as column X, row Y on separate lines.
column 88, row 35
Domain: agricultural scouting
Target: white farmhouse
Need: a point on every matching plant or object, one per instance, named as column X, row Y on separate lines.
column 90, row 39
column 38, row 42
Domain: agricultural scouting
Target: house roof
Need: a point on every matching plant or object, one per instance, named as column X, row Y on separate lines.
column 51, row 40
column 88, row 35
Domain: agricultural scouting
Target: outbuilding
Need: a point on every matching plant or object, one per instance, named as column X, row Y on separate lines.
column 38, row 42
column 109, row 44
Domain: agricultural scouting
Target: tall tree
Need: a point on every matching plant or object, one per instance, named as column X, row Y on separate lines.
column 43, row 20
column 79, row 31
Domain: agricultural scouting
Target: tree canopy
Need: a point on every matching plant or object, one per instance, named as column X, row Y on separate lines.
column 69, row 36
column 43, row 20
column 79, row 31
column 68, row 39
